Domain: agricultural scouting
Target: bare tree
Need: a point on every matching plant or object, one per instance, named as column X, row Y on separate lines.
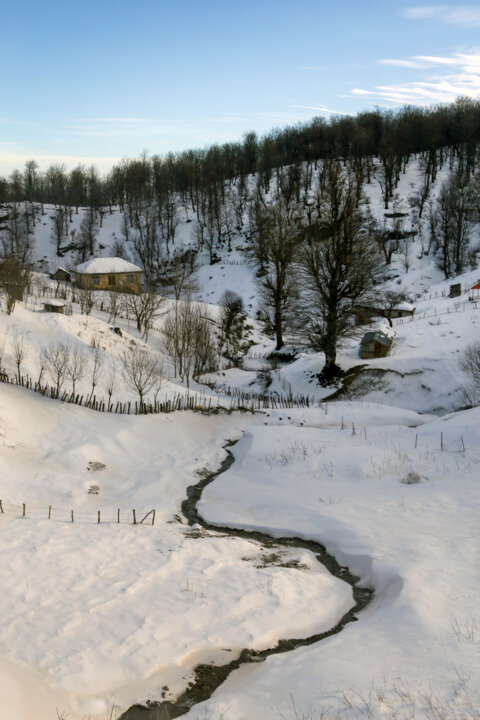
column 15, row 278
column 21, row 350
column 87, row 236
column 111, row 382
column 340, row 265
column 470, row 364
column 141, row 370
column 113, row 305
column 274, row 248
column 3, row 340
column 231, row 325
column 190, row 340
column 87, row 301
column 55, row 359
column 96, row 365
column 58, row 229
column 76, row 365
column 144, row 308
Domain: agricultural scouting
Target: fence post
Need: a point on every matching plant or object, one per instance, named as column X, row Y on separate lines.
column 441, row 441
column 49, row 512
column 72, row 515
column 118, row 515
column 1, row 507
column 153, row 518
column 23, row 509
column 134, row 517
column 98, row 517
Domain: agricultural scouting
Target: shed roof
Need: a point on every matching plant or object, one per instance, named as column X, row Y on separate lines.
column 476, row 287
column 54, row 303
column 376, row 336
column 102, row 266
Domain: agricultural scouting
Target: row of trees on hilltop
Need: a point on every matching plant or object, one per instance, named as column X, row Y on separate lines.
column 393, row 136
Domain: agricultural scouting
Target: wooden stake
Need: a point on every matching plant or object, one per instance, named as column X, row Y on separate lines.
column 49, row 512
column 463, row 444
column 134, row 517
column 118, row 515
column 441, row 441
column 153, row 518
column 72, row 515
column 98, row 516
column 1, row 507
column 416, row 439
column 23, row 509
column 353, row 429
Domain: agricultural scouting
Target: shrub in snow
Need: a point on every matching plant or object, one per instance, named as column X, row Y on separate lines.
column 412, row 478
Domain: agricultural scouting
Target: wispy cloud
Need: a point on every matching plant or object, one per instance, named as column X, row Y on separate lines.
column 321, row 109
column 454, row 75
column 462, row 15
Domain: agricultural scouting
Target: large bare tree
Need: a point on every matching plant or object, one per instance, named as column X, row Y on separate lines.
column 274, row 247
column 340, row 265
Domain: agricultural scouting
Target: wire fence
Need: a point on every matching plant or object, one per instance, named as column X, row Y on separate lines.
column 44, row 512
column 458, row 307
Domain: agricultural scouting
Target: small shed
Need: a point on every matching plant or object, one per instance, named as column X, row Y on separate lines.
column 110, row 273
column 61, row 274
column 56, row 306
column 375, row 344
column 474, row 294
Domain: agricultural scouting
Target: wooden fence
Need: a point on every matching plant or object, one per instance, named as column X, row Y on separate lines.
column 233, row 399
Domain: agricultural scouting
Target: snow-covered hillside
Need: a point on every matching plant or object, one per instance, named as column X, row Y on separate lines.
column 99, row 613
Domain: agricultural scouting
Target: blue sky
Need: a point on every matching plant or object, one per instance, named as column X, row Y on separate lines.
column 98, row 81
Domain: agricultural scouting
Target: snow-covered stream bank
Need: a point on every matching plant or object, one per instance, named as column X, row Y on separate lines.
column 209, row 677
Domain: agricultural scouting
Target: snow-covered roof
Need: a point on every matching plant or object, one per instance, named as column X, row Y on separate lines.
column 405, row 306
column 101, row 266
column 377, row 336
column 54, row 303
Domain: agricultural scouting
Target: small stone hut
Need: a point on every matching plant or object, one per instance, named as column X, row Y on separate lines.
column 56, row 306
column 110, row 273
column 375, row 344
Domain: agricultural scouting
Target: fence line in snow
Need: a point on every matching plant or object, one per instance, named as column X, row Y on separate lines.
column 44, row 512
column 236, row 400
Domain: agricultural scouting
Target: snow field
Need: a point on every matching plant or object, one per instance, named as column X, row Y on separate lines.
column 416, row 545
column 110, row 614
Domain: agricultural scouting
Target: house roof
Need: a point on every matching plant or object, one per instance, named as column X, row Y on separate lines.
column 102, row 266
column 476, row 287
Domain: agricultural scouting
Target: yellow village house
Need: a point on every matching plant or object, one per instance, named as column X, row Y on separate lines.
column 109, row 273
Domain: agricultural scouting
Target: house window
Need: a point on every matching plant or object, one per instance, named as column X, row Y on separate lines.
column 111, row 279
column 95, row 280
column 130, row 279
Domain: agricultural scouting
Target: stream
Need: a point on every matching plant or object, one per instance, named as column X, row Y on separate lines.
column 209, row 677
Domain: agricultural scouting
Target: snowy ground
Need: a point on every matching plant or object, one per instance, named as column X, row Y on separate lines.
column 112, row 613
column 417, row 545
